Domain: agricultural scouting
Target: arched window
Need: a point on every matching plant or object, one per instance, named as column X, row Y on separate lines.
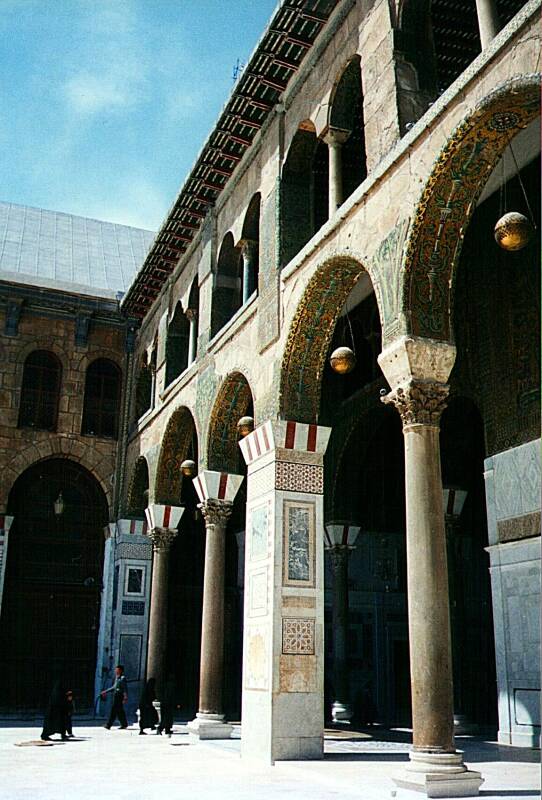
column 346, row 116
column 440, row 39
column 177, row 345
column 143, row 393
column 250, row 250
column 304, row 191
column 227, row 299
column 40, row 391
column 102, row 399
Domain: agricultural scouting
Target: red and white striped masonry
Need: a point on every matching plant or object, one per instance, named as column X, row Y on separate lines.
column 163, row 516
column 132, row 526
column 212, row 485
column 286, row 434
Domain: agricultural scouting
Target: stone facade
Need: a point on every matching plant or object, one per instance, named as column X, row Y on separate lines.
column 395, row 242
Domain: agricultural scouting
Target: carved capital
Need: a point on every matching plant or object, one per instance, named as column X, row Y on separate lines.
column 419, row 403
column 336, row 137
column 216, row 512
column 339, row 556
column 249, row 250
column 161, row 538
column 191, row 314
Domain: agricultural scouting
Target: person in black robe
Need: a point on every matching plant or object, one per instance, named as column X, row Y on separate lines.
column 167, row 706
column 148, row 716
column 56, row 716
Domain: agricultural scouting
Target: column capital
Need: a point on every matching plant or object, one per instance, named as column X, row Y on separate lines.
column 419, row 403
column 191, row 314
column 249, row 248
column 411, row 359
column 336, row 137
column 216, row 512
column 161, row 538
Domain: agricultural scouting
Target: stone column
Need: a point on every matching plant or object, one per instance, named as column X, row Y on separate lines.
column 162, row 529
column 340, row 539
column 283, row 645
column 192, row 316
column 217, row 492
column 335, row 138
column 488, row 21
column 417, row 371
column 249, row 253
column 342, row 709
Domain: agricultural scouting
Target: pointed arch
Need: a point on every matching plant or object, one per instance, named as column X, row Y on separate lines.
column 449, row 200
column 138, row 491
column 180, row 442
column 234, row 400
column 310, row 335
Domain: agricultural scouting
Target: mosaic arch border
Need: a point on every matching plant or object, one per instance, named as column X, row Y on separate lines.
column 449, row 200
column 180, row 429
column 100, row 467
column 311, row 331
column 134, row 476
column 231, row 403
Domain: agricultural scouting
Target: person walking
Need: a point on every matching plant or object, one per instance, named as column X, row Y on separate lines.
column 70, row 711
column 167, row 706
column 148, row 716
column 120, row 697
column 56, row 716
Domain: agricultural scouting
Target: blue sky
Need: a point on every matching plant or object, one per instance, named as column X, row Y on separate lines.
column 106, row 103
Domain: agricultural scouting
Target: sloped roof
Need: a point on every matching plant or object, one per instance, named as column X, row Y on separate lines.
column 62, row 251
column 291, row 33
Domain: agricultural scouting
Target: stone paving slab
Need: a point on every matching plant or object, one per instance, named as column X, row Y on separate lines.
column 121, row 765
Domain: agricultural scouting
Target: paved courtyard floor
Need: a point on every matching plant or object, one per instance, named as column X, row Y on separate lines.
column 120, row 765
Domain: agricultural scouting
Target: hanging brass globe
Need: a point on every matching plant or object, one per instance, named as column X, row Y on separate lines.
column 245, row 426
column 513, row 231
column 342, row 360
column 188, row 468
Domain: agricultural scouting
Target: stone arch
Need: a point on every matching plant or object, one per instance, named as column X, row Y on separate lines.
column 310, row 334
column 234, row 400
column 178, row 444
column 137, row 497
column 78, row 450
column 346, row 118
column 449, row 200
column 227, row 296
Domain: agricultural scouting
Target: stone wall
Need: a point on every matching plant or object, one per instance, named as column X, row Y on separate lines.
column 513, row 502
column 21, row 447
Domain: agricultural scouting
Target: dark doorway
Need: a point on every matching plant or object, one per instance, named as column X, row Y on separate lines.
column 51, row 602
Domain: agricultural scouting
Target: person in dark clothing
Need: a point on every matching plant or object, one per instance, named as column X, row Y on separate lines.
column 70, row 710
column 120, row 696
column 148, row 716
column 56, row 716
column 167, row 706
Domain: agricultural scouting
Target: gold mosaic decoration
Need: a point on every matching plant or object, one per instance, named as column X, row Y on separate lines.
column 310, row 335
column 176, row 447
column 233, row 401
column 136, row 499
column 449, row 200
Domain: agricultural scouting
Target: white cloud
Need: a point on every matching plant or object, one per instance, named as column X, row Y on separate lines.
column 91, row 94
column 136, row 202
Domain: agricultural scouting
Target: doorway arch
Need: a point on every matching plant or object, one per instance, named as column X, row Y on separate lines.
column 51, row 604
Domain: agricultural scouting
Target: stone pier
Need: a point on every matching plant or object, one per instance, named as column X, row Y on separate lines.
column 283, row 649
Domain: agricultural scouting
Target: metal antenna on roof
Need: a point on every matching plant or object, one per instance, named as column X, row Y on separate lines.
column 238, row 70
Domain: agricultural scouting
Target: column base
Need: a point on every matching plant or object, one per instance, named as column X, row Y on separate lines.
column 440, row 775
column 209, row 726
column 341, row 712
column 463, row 726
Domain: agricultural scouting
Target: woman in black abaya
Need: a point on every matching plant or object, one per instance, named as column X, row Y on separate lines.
column 148, row 716
column 56, row 716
